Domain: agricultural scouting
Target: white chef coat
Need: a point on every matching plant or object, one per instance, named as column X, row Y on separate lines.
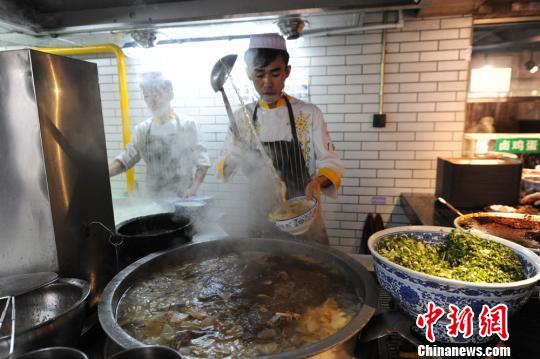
column 171, row 151
column 274, row 125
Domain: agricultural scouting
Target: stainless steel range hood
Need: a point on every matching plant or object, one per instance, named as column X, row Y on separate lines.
column 45, row 16
column 54, row 23
column 54, row 180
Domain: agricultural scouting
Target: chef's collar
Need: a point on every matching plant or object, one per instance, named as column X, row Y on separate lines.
column 280, row 102
column 171, row 116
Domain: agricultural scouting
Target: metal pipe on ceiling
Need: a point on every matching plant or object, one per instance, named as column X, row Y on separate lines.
column 352, row 29
column 323, row 32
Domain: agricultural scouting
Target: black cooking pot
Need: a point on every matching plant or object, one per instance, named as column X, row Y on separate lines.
column 140, row 236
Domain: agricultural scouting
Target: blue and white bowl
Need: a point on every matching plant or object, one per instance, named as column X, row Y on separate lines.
column 413, row 290
column 301, row 223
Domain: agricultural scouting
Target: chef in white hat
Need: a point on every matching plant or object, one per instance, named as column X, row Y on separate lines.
column 168, row 142
column 293, row 132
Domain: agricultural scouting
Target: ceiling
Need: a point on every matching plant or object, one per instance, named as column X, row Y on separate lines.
column 82, row 22
column 481, row 9
column 510, row 37
column 60, row 23
column 63, row 16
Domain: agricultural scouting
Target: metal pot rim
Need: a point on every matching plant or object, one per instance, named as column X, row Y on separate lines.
column 67, row 349
column 128, row 221
column 107, row 314
column 82, row 284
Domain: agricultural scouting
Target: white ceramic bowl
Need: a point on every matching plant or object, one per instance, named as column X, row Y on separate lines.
column 301, row 223
column 413, row 290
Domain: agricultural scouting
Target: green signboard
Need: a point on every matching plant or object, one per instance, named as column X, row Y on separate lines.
column 518, row 145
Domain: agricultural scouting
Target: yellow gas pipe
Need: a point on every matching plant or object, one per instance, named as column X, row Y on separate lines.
column 122, row 81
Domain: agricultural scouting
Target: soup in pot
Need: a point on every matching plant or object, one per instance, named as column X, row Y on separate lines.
column 239, row 305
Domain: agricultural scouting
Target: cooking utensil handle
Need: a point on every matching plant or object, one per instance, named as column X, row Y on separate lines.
column 114, row 239
column 443, row 201
column 234, row 127
column 102, row 226
column 9, row 299
column 12, row 345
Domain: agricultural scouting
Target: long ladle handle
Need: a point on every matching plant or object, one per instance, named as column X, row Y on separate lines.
column 234, row 127
column 443, row 201
column 114, row 239
column 9, row 299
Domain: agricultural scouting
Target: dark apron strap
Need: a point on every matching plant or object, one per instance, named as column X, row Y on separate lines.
column 287, row 158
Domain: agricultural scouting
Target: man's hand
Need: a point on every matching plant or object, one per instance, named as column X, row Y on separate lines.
column 190, row 192
column 533, row 198
column 116, row 167
column 199, row 178
column 313, row 188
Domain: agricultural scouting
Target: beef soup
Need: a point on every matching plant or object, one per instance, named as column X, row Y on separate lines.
column 239, row 305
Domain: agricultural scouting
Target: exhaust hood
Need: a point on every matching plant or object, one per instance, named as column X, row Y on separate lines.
column 80, row 15
column 66, row 23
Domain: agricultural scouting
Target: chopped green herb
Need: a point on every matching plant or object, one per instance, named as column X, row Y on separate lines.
column 461, row 256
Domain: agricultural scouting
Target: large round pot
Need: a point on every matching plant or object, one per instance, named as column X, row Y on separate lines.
column 343, row 340
column 413, row 290
column 52, row 315
column 527, row 237
column 140, row 236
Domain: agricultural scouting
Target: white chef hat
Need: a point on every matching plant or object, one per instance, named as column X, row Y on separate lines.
column 153, row 80
column 267, row 41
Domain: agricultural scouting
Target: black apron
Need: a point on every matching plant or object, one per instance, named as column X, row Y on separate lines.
column 290, row 163
column 168, row 164
column 287, row 158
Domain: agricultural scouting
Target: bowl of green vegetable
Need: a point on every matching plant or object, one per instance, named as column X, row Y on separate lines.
column 422, row 264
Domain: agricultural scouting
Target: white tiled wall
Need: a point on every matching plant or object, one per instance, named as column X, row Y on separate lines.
column 426, row 76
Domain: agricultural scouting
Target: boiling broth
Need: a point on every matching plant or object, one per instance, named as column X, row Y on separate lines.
column 239, row 305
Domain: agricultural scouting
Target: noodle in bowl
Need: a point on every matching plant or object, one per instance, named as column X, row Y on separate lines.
column 295, row 216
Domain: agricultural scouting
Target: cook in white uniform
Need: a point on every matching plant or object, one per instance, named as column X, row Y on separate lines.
column 168, row 142
column 293, row 132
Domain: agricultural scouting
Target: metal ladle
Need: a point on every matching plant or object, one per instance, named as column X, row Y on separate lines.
column 219, row 75
column 443, row 201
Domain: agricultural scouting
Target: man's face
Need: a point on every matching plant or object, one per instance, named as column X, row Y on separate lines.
column 269, row 81
column 157, row 99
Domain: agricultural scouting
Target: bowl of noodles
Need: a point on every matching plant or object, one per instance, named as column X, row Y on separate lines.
column 295, row 215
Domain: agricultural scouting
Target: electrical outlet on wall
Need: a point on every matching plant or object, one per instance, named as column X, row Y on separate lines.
column 379, row 120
